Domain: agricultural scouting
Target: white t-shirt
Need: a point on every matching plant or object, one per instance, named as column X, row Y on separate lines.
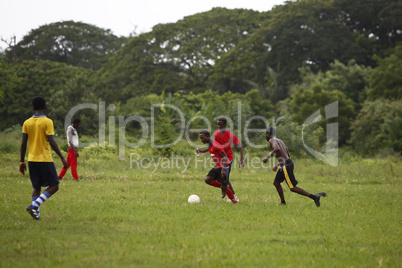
column 74, row 138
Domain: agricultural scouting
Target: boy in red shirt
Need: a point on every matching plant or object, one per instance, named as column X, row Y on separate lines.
column 218, row 175
column 226, row 138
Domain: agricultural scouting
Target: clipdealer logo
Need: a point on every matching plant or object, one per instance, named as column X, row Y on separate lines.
column 330, row 156
column 331, row 151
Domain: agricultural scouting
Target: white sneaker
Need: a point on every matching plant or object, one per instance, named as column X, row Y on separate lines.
column 235, row 197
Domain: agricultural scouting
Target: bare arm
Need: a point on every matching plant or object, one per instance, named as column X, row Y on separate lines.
column 275, row 148
column 202, row 151
column 55, row 148
column 24, row 142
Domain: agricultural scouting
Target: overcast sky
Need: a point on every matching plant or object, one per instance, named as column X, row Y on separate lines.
column 19, row 17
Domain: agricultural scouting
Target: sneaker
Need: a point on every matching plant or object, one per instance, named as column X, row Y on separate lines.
column 230, row 200
column 235, row 197
column 34, row 212
column 234, row 201
column 223, row 195
column 318, row 196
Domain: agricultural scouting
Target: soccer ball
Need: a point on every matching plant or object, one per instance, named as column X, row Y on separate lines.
column 192, row 199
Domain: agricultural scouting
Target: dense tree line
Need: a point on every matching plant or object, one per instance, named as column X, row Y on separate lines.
column 290, row 61
column 74, row 43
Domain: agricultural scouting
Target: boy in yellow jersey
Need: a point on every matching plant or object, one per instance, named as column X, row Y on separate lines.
column 39, row 131
column 285, row 166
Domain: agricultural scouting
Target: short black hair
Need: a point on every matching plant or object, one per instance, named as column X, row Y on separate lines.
column 77, row 121
column 271, row 131
column 205, row 132
column 39, row 103
column 223, row 119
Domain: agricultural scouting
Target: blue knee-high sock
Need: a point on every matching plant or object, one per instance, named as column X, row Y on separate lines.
column 42, row 198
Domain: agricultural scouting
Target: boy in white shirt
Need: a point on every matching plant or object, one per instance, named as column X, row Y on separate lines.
column 72, row 141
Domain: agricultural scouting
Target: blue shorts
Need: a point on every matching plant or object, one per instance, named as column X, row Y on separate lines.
column 42, row 174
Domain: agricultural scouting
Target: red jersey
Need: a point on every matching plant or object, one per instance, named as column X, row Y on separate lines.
column 215, row 151
column 226, row 140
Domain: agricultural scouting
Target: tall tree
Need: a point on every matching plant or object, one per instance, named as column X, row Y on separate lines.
column 40, row 78
column 377, row 128
column 386, row 79
column 175, row 57
column 305, row 103
column 74, row 43
column 311, row 33
column 352, row 79
column 8, row 81
column 378, row 22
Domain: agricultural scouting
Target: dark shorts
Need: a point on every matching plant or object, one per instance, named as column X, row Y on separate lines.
column 215, row 173
column 285, row 173
column 42, row 174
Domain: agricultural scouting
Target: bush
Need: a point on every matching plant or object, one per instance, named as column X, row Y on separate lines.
column 9, row 146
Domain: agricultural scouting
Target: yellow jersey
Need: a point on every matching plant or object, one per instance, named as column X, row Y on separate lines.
column 39, row 128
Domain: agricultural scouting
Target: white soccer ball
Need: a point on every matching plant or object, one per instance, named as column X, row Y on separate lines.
column 192, row 199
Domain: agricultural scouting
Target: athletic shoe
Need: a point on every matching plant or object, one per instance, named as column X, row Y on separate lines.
column 34, row 212
column 235, row 201
column 318, row 196
column 229, row 200
column 223, row 195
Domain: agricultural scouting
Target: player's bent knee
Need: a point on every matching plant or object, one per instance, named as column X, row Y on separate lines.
column 54, row 188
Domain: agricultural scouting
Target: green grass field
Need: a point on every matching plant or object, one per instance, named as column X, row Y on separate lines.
column 118, row 216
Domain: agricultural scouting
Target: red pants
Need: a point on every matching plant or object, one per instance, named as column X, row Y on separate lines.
column 71, row 162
